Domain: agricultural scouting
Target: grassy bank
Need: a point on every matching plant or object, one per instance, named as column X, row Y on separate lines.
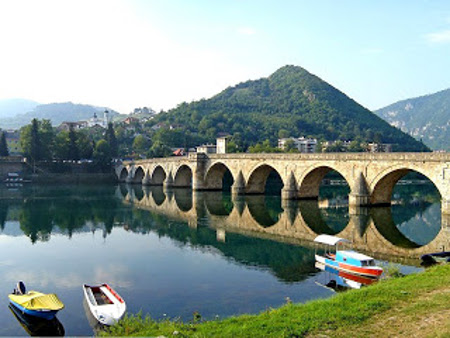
column 415, row 305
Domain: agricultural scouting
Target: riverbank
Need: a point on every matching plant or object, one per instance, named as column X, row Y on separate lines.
column 416, row 305
column 74, row 178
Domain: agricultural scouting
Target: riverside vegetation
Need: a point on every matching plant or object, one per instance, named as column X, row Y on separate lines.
column 414, row 305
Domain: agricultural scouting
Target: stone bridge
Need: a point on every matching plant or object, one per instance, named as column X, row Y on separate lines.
column 372, row 231
column 370, row 176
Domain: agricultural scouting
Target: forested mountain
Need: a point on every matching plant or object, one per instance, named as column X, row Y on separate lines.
column 13, row 107
column 427, row 118
column 56, row 112
column 290, row 102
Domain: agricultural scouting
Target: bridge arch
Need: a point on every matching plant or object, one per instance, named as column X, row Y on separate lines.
column 257, row 180
column 158, row 176
column 183, row 177
column 139, row 175
column 123, row 175
column 309, row 184
column 214, row 179
column 383, row 185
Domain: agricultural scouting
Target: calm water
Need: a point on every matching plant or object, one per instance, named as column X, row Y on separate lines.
column 171, row 254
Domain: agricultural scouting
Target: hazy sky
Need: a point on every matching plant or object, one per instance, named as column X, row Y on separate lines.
column 159, row 53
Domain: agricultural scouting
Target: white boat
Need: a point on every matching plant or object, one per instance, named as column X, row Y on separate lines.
column 104, row 303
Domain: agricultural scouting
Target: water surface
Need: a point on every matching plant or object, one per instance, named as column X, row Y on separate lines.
column 174, row 253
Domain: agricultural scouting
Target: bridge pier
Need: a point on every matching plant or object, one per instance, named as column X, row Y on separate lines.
column 359, row 195
column 445, row 221
column 238, row 188
column 168, row 182
column 147, row 179
column 445, row 207
column 289, row 191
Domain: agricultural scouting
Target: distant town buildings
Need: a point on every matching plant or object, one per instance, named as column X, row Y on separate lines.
column 379, row 148
column 95, row 121
column 302, row 144
column 13, row 141
column 222, row 144
column 207, row 149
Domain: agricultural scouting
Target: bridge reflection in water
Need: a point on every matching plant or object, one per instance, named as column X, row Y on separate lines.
column 372, row 230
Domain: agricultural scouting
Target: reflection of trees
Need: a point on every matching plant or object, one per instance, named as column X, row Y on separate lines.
column 218, row 203
column 416, row 194
column 287, row 262
column 3, row 213
column 69, row 209
column 329, row 221
column 36, row 220
column 327, row 191
column 266, row 210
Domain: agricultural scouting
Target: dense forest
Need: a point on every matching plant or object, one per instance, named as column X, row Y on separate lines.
column 289, row 103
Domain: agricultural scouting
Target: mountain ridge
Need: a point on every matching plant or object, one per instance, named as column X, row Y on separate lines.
column 56, row 112
column 12, row 107
column 425, row 117
column 293, row 100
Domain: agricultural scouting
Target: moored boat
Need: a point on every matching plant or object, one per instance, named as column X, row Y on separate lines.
column 345, row 279
column 36, row 326
column 346, row 260
column 436, row 257
column 35, row 303
column 104, row 303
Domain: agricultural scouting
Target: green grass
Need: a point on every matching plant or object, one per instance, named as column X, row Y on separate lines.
column 413, row 296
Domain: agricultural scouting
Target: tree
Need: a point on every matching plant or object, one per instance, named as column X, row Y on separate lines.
column 37, row 140
column 140, row 144
column 289, row 146
column 102, row 153
column 74, row 153
column 3, row 145
column 112, row 140
column 61, row 149
column 283, row 133
column 35, row 149
column 47, row 136
column 85, row 146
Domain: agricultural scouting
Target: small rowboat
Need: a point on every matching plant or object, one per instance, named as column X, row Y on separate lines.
column 35, row 303
column 347, row 260
column 104, row 303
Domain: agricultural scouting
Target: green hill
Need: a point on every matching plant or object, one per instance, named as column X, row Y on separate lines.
column 427, row 118
column 292, row 101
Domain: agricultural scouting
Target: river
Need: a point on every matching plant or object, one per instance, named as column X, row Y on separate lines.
column 171, row 254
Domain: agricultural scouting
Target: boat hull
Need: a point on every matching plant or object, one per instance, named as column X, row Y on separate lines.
column 107, row 313
column 45, row 314
column 356, row 270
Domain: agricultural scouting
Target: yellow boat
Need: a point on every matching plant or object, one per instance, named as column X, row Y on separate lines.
column 35, row 303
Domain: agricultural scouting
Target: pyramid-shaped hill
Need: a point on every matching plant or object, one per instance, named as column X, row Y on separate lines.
column 289, row 102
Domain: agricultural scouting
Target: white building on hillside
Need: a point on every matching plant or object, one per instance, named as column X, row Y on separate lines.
column 304, row 145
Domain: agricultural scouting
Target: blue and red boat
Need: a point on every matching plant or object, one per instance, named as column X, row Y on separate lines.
column 346, row 260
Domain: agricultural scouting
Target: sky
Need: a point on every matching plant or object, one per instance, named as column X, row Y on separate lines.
column 124, row 54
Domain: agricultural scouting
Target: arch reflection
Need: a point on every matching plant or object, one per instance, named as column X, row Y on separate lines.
column 401, row 230
column 266, row 210
column 305, row 219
